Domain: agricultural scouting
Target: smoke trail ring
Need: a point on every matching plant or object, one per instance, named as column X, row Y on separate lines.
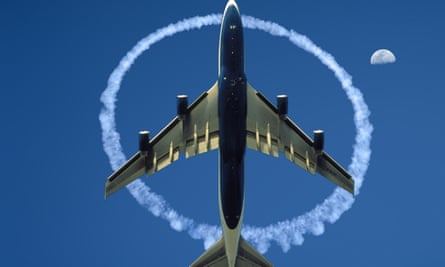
column 285, row 233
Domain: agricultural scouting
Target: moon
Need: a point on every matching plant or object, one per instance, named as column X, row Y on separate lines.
column 382, row 56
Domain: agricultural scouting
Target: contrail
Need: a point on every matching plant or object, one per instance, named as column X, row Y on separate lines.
column 284, row 233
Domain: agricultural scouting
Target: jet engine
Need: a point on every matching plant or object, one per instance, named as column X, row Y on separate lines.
column 318, row 141
column 182, row 104
column 144, row 142
column 282, row 105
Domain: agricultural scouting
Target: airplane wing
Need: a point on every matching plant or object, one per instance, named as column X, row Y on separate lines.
column 270, row 131
column 247, row 256
column 193, row 132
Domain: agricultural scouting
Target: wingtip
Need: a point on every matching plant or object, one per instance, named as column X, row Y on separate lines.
column 353, row 188
column 352, row 191
column 107, row 190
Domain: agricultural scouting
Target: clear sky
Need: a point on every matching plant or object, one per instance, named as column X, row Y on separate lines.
column 55, row 60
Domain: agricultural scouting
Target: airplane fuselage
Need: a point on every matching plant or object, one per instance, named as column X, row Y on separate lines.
column 232, row 112
column 232, row 116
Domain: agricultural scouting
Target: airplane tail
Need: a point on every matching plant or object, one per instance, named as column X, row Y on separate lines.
column 247, row 256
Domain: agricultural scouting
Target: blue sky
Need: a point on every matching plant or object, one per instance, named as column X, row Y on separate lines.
column 56, row 57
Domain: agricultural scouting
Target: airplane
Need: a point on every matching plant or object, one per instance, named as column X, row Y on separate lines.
column 230, row 116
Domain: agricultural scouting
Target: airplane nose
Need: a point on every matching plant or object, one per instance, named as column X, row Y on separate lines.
column 231, row 7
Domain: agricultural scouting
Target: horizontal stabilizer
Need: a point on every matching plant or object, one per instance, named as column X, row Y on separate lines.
column 247, row 256
column 215, row 256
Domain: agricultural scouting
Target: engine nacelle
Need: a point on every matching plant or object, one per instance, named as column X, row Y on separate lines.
column 282, row 106
column 182, row 104
column 144, row 142
column 318, row 141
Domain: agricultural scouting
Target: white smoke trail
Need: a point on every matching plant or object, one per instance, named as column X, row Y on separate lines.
column 291, row 231
column 285, row 233
column 155, row 203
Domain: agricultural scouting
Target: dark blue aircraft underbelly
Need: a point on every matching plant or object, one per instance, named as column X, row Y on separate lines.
column 232, row 109
column 232, row 114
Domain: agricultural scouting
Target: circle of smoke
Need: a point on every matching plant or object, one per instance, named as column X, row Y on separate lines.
column 285, row 233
